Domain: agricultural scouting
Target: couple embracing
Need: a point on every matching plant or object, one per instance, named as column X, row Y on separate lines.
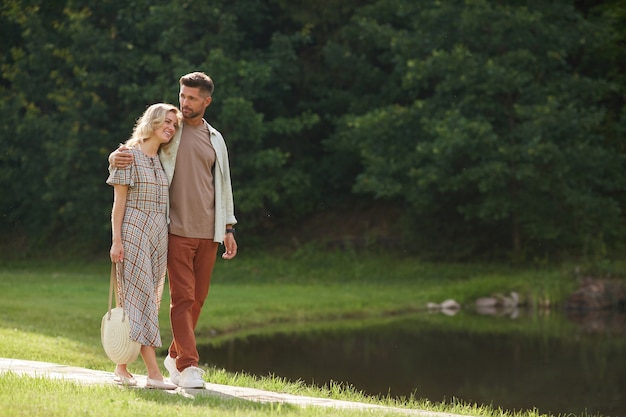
column 173, row 173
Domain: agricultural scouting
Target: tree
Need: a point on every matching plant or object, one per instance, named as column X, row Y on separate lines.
column 497, row 124
column 492, row 124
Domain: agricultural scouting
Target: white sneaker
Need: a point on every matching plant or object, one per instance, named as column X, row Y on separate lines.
column 191, row 378
column 170, row 365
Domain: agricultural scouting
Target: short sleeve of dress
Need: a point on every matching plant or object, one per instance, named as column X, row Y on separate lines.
column 121, row 176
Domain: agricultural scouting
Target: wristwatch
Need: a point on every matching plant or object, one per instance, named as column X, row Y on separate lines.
column 231, row 230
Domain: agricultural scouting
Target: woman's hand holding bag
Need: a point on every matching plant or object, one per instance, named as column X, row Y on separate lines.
column 115, row 331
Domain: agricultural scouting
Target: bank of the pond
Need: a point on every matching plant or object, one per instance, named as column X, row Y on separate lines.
column 258, row 292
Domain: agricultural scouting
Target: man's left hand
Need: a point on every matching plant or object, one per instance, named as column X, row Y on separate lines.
column 231, row 246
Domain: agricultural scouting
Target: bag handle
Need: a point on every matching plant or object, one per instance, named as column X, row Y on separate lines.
column 112, row 289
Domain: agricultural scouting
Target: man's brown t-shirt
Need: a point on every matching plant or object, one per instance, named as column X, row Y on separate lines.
column 192, row 193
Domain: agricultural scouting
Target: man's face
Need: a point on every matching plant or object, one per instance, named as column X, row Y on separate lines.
column 192, row 102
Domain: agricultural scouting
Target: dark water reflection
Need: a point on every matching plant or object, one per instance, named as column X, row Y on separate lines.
column 560, row 369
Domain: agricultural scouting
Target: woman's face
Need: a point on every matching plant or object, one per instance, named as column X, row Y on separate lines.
column 166, row 132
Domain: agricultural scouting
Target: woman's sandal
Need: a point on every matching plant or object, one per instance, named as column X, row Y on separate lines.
column 124, row 380
column 156, row 384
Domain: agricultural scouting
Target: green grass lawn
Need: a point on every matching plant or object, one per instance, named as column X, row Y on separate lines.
column 51, row 311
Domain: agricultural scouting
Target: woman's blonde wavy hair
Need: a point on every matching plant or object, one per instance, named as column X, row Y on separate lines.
column 152, row 119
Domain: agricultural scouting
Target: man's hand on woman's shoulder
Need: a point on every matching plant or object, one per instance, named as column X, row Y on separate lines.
column 120, row 158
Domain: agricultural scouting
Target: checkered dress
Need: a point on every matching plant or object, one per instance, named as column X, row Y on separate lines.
column 144, row 237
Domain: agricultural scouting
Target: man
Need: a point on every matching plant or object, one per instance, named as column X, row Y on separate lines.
column 201, row 217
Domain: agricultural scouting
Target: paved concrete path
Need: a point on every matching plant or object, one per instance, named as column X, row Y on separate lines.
column 89, row 376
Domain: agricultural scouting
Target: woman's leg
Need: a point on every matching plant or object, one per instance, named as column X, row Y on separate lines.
column 148, row 353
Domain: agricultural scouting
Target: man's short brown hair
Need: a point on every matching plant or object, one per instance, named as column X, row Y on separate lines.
column 198, row 80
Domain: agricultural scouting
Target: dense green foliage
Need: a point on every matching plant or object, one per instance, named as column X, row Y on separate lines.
column 493, row 127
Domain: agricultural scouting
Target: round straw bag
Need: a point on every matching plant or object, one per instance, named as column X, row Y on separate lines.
column 115, row 331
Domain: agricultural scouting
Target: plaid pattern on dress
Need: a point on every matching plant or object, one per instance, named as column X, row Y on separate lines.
column 144, row 236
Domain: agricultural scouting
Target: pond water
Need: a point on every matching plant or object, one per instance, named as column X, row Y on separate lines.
column 552, row 363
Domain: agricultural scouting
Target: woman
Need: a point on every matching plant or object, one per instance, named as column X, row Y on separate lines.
column 139, row 235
